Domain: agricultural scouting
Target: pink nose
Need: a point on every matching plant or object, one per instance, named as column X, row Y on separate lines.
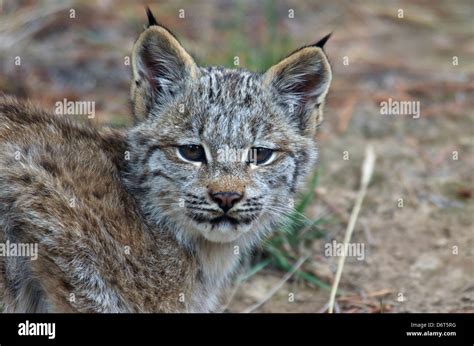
column 226, row 200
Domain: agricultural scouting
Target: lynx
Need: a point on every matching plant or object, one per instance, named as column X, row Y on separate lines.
column 158, row 218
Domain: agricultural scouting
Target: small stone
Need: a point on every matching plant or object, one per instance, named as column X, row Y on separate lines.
column 426, row 262
column 441, row 242
column 321, row 271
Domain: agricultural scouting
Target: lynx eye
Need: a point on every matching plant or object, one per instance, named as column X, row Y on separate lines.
column 192, row 153
column 261, row 156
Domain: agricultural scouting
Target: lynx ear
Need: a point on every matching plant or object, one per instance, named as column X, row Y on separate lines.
column 301, row 82
column 161, row 69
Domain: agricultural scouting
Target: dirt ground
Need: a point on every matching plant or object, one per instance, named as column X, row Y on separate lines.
column 419, row 257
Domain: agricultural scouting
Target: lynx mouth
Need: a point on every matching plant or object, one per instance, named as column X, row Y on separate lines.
column 222, row 220
column 223, row 228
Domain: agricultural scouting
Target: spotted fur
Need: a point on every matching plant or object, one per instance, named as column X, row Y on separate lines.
column 144, row 234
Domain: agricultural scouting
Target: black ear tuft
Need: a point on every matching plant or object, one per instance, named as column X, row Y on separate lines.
column 322, row 41
column 151, row 17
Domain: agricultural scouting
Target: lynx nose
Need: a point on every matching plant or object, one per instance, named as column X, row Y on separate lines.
column 226, row 200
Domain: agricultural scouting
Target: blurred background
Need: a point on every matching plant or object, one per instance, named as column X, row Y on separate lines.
column 419, row 254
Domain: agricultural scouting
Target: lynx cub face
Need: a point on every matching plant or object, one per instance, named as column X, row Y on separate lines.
column 219, row 153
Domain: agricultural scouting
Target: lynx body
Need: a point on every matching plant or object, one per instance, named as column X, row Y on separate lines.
column 156, row 219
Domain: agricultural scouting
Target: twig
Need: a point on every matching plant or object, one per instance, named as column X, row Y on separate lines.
column 367, row 170
column 326, row 306
column 270, row 294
